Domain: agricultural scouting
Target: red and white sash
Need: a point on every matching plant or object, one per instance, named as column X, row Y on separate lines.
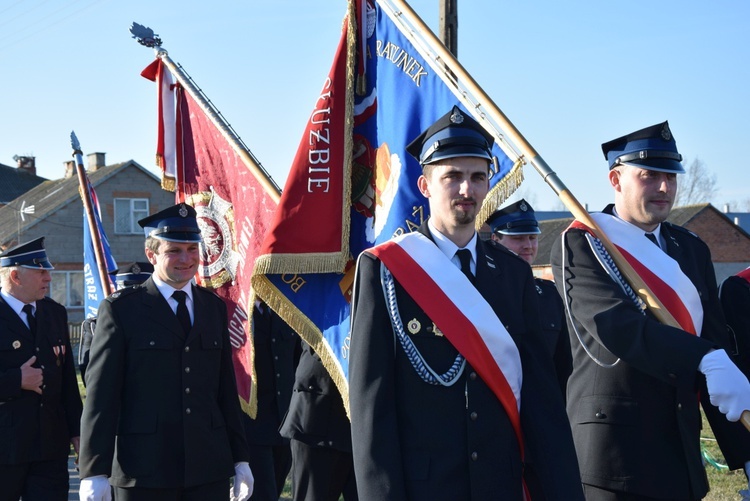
column 460, row 312
column 661, row 273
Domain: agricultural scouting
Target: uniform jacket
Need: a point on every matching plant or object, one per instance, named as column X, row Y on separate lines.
column 162, row 410
column 636, row 425
column 416, row 441
column 555, row 330
column 735, row 300
column 277, row 349
column 37, row 427
column 316, row 414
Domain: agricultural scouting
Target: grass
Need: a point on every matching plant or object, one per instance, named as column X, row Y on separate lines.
column 724, row 484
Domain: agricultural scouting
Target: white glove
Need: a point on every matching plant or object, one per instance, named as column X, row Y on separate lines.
column 243, row 482
column 95, row 489
column 728, row 388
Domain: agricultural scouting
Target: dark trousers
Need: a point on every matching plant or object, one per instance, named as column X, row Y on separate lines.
column 270, row 466
column 593, row 493
column 35, row 481
column 322, row 474
column 216, row 490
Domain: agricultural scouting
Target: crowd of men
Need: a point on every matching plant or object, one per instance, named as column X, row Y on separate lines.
column 469, row 379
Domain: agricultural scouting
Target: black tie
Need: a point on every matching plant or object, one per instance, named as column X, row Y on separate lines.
column 27, row 308
column 464, row 256
column 182, row 312
column 652, row 237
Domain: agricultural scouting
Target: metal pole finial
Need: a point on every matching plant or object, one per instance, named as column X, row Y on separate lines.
column 145, row 36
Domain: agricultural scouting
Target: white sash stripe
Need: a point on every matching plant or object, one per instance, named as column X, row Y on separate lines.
column 633, row 239
column 470, row 302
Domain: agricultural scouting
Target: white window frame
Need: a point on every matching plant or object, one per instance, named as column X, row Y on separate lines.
column 70, row 277
column 133, row 214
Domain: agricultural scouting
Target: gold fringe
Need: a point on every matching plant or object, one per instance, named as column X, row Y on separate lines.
column 168, row 183
column 250, row 407
column 306, row 329
column 500, row 193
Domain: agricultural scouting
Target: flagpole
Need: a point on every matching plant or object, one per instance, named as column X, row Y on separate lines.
column 531, row 155
column 146, row 37
column 89, row 208
column 550, row 177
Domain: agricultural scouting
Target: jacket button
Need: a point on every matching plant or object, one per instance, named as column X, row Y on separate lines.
column 151, row 343
column 187, row 411
column 187, row 391
column 187, row 349
column 679, row 407
column 474, row 456
column 601, row 415
column 473, row 416
column 473, row 376
column 187, row 370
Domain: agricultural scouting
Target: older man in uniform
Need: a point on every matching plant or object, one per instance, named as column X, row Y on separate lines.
column 633, row 394
column 162, row 417
column 40, row 407
column 515, row 227
column 449, row 386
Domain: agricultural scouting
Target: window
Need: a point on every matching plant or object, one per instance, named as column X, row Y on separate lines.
column 67, row 288
column 127, row 213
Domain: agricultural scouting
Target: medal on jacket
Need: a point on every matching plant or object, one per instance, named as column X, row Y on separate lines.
column 16, row 344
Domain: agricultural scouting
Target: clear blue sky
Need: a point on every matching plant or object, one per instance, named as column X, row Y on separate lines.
column 569, row 75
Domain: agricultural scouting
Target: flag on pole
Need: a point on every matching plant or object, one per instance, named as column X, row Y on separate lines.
column 93, row 284
column 234, row 211
column 352, row 185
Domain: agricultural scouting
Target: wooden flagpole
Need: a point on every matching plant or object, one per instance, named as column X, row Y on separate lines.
column 101, row 263
column 550, row 177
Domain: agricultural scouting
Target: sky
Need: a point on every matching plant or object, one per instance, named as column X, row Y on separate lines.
column 568, row 75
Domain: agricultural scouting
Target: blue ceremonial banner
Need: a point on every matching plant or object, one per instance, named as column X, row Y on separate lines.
column 399, row 93
column 92, row 283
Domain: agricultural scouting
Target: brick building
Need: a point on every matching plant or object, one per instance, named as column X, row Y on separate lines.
column 729, row 242
column 126, row 191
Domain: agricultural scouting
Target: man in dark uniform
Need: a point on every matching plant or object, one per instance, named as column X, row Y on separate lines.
column 515, row 227
column 449, row 385
column 735, row 300
column 40, row 406
column 633, row 393
column 132, row 274
column 276, row 349
column 162, row 416
column 320, row 434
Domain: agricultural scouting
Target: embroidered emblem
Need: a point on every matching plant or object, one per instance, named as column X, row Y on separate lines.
column 183, row 211
column 16, row 344
column 414, row 326
column 437, row 331
column 523, row 207
column 457, row 117
column 666, row 134
column 539, row 290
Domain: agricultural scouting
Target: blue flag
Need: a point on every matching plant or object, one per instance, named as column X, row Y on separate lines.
column 400, row 92
column 92, row 283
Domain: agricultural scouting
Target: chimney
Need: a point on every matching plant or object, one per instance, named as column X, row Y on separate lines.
column 726, row 208
column 70, row 168
column 95, row 160
column 26, row 164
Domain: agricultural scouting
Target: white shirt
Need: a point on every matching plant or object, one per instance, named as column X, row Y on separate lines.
column 449, row 248
column 167, row 290
column 17, row 306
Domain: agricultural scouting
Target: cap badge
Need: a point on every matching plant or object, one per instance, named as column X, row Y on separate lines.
column 666, row 134
column 183, row 211
column 523, row 207
column 414, row 326
column 135, row 269
column 457, row 117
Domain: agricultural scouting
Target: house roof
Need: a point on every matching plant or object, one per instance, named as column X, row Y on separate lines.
column 15, row 182
column 681, row 216
column 50, row 196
